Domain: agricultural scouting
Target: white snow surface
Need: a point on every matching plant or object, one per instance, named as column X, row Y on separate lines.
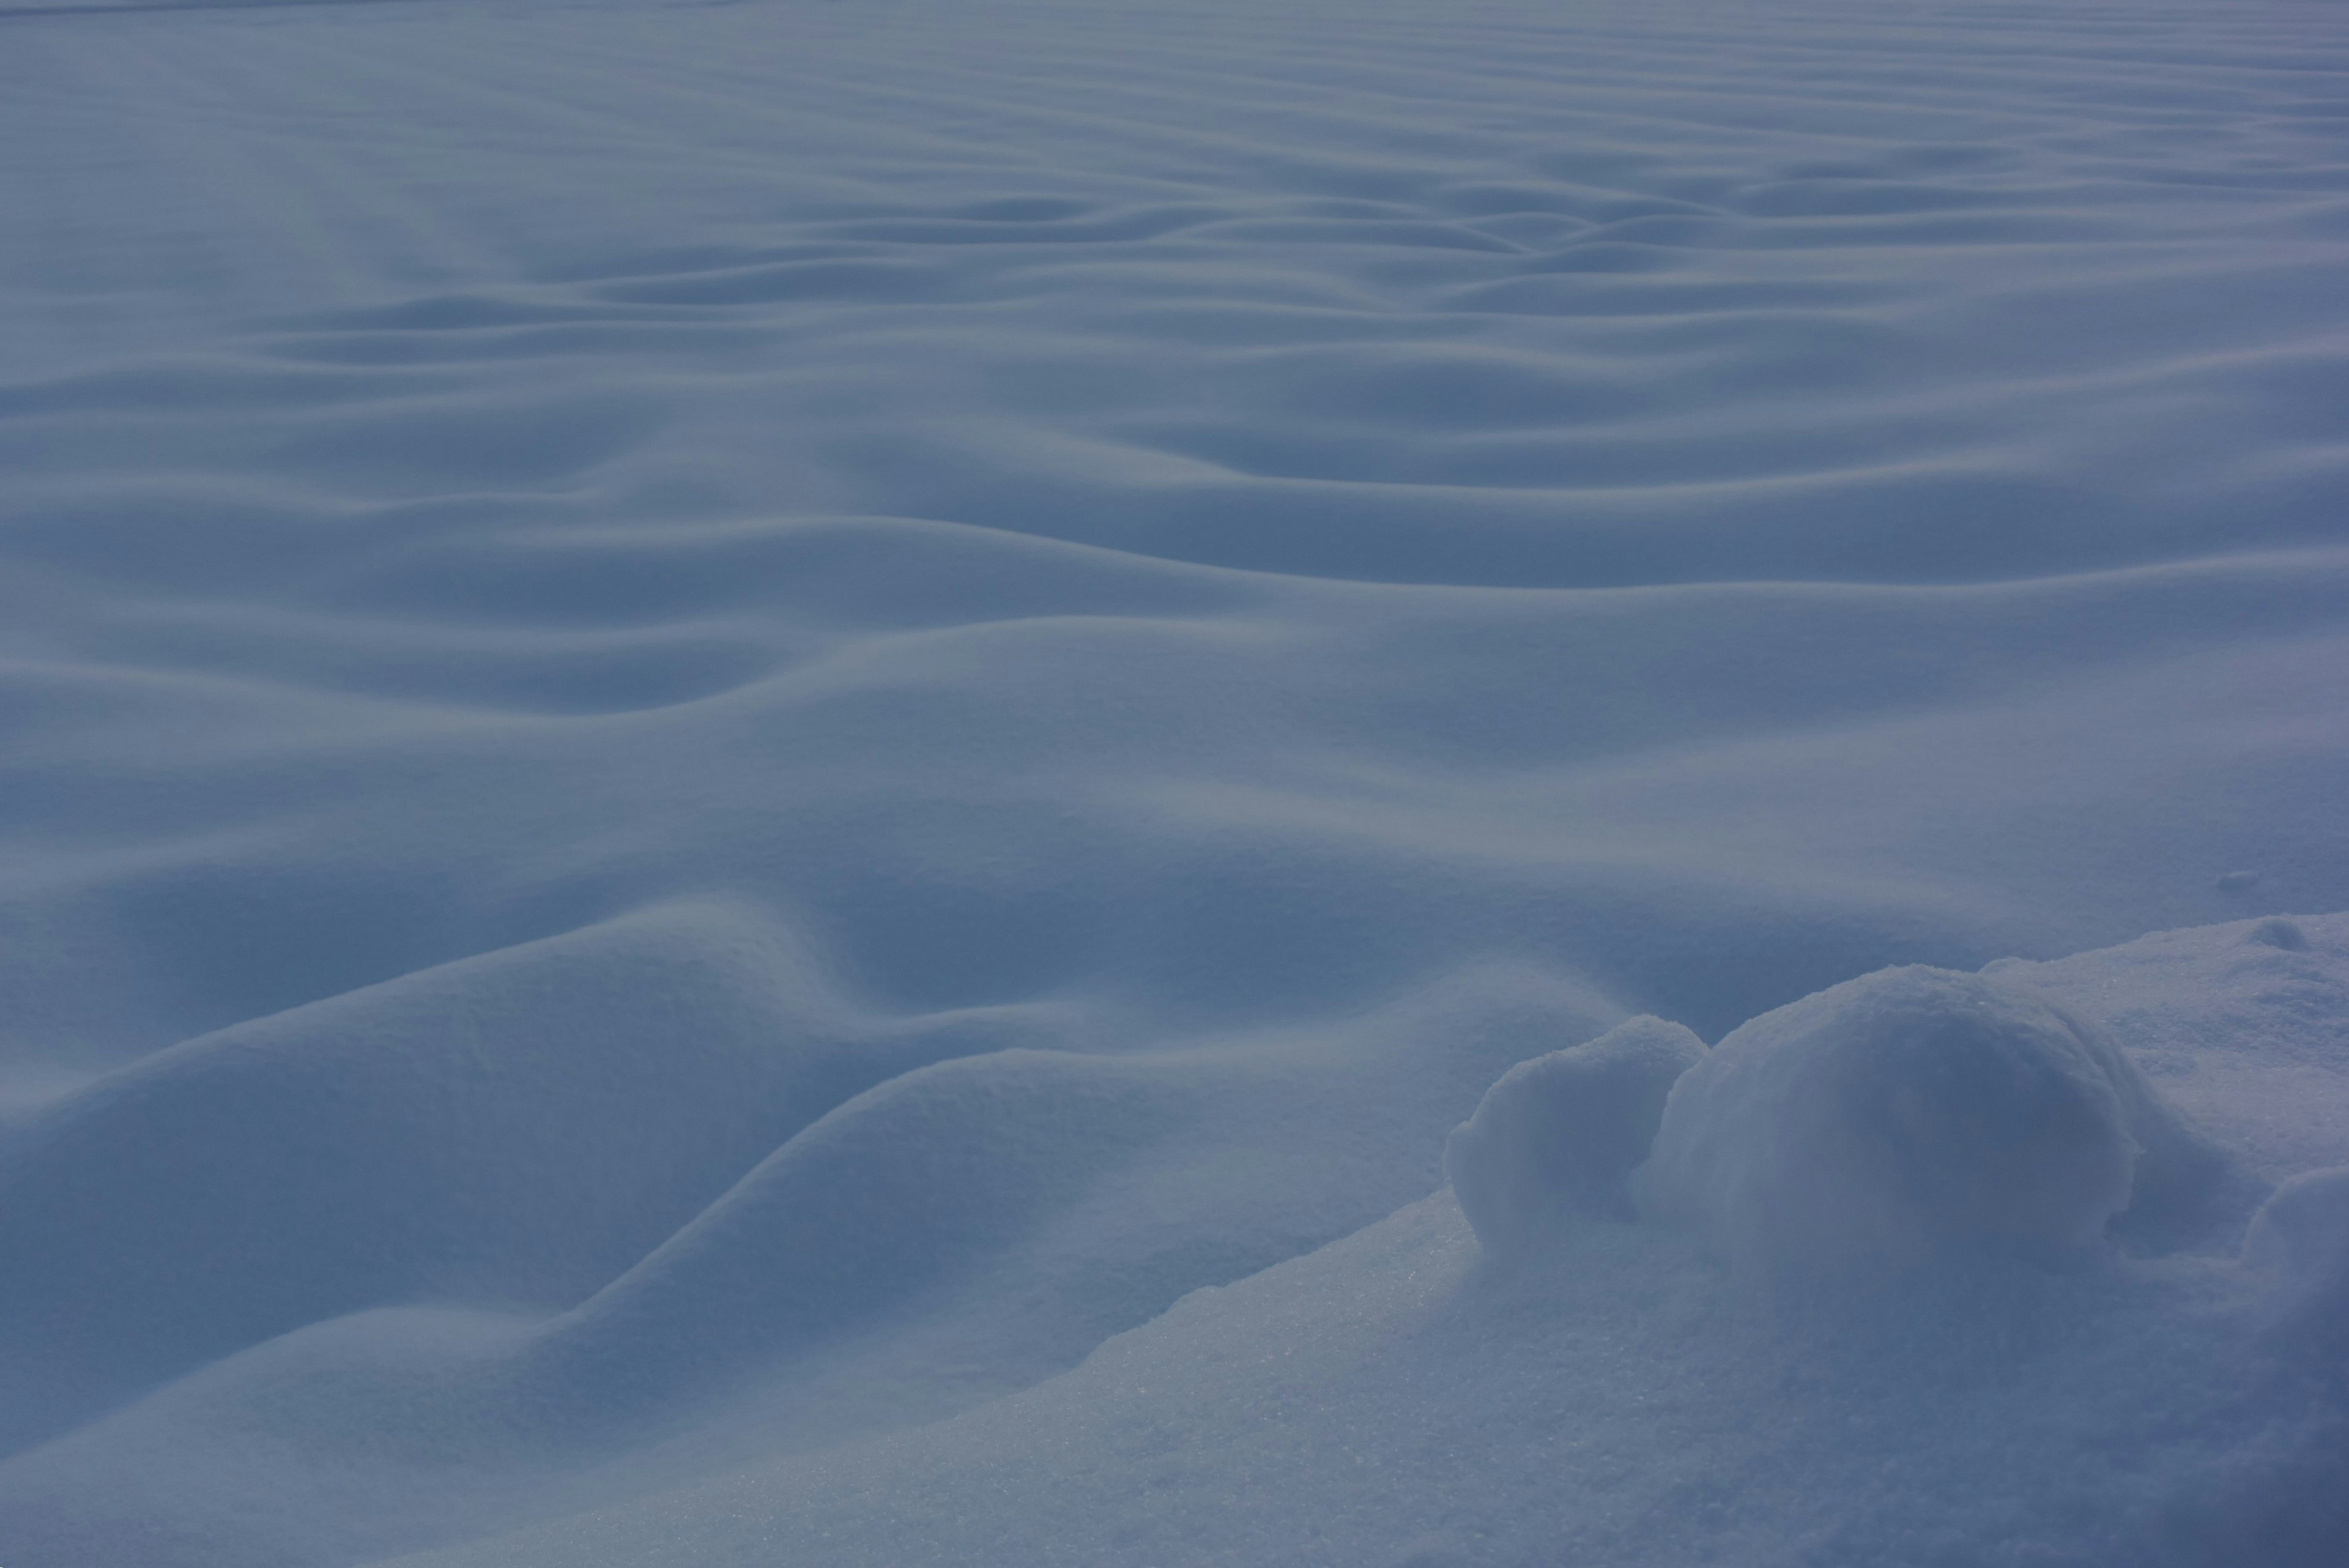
column 772, row 771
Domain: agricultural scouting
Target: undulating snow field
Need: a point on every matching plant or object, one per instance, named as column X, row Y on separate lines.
column 772, row 771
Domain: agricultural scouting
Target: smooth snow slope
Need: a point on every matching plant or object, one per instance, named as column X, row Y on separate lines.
column 728, row 725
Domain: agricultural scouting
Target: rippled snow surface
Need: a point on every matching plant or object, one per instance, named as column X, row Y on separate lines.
column 726, row 726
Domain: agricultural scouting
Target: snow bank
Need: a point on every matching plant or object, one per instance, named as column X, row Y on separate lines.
column 1552, row 1141
column 2239, row 1026
column 1883, row 1120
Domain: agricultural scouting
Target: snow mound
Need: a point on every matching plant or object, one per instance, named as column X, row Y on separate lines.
column 1878, row 1122
column 2284, row 936
column 1553, row 1140
column 2302, row 1234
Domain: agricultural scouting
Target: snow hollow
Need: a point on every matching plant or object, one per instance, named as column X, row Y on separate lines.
column 1131, row 786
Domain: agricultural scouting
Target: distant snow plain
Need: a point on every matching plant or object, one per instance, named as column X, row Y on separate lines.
column 771, row 770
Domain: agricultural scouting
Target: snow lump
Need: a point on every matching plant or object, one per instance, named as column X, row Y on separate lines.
column 1552, row 1141
column 2300, row 1235
column 1880, row 1122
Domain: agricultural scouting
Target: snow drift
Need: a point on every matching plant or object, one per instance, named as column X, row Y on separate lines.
column 1617, row 1394
column 768, row 773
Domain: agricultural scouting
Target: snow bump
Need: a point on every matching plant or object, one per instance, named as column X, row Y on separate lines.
column 1879, row 1123
column 2301, row 1237
column 1552, row 1141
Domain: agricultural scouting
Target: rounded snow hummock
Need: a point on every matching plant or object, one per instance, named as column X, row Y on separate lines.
column 1552, row 1141
column 2301, row 1234
column 1878, row 1122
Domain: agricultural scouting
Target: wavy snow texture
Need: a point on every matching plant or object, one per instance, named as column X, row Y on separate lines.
column 787, row 708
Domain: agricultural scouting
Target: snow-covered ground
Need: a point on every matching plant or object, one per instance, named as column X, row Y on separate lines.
column 772, row 772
